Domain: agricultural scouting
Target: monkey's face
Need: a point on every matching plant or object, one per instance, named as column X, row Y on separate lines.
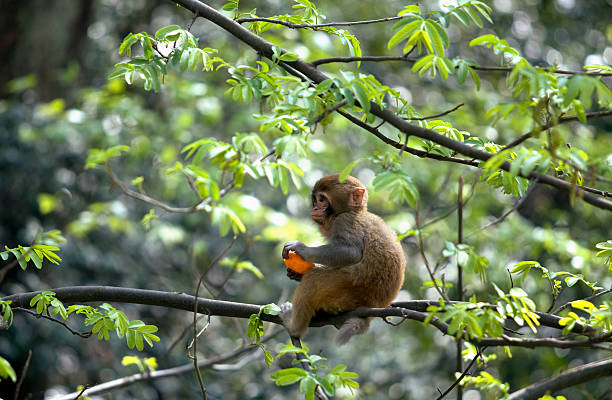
column 321, row 207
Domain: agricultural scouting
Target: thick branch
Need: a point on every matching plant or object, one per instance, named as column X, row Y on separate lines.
column 571, row 377
column 180, row 301
column 408, row 310
column 424, row 154
column 307, row 70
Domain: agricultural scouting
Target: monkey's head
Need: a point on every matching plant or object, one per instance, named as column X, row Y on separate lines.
column 331, row 197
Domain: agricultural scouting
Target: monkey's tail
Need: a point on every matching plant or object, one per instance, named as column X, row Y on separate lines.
column 352, row 327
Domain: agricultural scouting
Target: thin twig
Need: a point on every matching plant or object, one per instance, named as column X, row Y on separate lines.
column 594, row 296
column 458, row 380
column 502, row 217
column 437, row 115
column 327, row 111
column 204, row 328
column 582, row 170
column 156, row 203
column 475, row 67
column 85, row 387
column 195, row 315
column 24, row 371
column 561, row 120
column 178, row 339
column 511, row 280
column 422, row 251
column 195, row 16
column 454, row 207
column 164, row 373
column 84, row 335
column 433, row 199
column 149, row 200
column 459, row 344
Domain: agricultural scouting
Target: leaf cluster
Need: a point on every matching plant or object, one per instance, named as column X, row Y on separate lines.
column 309, row 379
column 104, row 319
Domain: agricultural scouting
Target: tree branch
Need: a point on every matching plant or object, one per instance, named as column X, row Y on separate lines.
column 436, row 115
column 309, row 71
column 315, row 26
column 424, row 154
column 594, row 296
column 163, row 373
column 401, row 146
column 84, row 335
column 463, row 374
column 149, row 200
column 408, row 310
column 522, row 138
column 571, row 377
column 502, row 217
column 415, row 59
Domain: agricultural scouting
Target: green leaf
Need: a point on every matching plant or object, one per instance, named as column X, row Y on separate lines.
column 346, row 171
column 404, row 33
column 475, row 17
column 288, row 376
column 6, row 371
column 409, row 10
column 361, row 95
column 270, row 309
column 147, row 47
column 605, row 251
column 163, row 32
column 127, row 43
column 584, row 305
column 308, row 386
column 496, row 160
column 288, row 57
column 291, row 349
column 325, row 384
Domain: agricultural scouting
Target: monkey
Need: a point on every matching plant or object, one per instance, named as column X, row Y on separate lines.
column 361, row 265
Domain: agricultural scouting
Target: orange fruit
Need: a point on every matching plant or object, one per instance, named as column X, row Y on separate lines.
column 297, row 263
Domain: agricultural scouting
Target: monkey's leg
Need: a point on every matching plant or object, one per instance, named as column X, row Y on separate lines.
column 301, row 313
column 286, row 309
column 352, row 327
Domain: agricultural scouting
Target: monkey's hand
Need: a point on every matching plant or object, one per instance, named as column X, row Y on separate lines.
column 296, row 246
column 294, row 275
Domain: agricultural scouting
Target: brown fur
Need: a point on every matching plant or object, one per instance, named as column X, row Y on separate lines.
column 374, row 281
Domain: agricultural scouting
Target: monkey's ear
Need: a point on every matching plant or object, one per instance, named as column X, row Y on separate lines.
column 356, row 197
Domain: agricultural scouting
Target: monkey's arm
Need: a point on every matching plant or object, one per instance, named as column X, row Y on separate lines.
column 332, row 255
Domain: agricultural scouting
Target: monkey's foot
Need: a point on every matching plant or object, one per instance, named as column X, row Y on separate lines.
column 285, row 312
column 350, row 328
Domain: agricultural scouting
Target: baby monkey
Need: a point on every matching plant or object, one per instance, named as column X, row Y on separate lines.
column 362, row 264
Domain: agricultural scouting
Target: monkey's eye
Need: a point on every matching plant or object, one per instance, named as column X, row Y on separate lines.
column 322, row 199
